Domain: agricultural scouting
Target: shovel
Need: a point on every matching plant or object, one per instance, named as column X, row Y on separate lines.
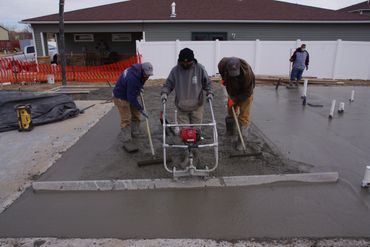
column 244, row 152
column 153, row 160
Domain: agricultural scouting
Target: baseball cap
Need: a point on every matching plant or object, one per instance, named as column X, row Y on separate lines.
column 233, row 66
column 148, row 68
column 186, row 55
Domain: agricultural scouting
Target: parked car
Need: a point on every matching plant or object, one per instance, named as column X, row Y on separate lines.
column 29, row 55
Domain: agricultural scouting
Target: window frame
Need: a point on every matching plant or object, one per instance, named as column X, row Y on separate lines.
column 210, row 36
column 91, row 35
column 121, row 37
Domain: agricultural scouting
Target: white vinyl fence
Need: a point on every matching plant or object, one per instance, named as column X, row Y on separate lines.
column 328, row 59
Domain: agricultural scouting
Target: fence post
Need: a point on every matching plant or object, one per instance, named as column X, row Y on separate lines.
column 217, row 55
column 138, row 49
column 297, row 43
column 256, row 56
column 177, row 49
column 43, row 44
column 336, row 58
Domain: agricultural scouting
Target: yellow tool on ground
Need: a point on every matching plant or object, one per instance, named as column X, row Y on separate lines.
column 24, row 117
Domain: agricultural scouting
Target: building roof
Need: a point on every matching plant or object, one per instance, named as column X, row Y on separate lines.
column 359, row 6
column 4, row 28
column 202, row 11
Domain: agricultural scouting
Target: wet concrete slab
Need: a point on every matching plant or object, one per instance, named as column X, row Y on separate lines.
column 26, row 155
column 283, row 210
column 275, row 211
column 99, row 155
column 307, row 134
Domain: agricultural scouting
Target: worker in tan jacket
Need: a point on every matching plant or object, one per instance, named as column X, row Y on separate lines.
column 239, row 80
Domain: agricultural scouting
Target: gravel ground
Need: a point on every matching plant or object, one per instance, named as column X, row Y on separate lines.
column 26, row 155
column 38, row 242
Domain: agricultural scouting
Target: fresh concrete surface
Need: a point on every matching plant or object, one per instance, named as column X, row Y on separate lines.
column 151, row 184
column 306, row 133
column 28, row 242
column 285, row 210
column 26, row 155
column 106, row 160
column 281, row 210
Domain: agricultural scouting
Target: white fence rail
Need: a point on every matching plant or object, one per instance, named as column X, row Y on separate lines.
column 328, row 59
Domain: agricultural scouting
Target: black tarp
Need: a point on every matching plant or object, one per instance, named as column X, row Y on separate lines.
column 46, row 108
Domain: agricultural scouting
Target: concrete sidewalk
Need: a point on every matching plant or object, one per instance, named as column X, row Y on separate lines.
column 26, row 155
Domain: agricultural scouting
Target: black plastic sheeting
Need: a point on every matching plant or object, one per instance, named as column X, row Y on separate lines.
column 46, row 108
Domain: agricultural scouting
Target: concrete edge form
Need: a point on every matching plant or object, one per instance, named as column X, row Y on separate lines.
column 151, row 184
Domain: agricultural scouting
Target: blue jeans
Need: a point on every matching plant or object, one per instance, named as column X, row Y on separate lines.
column 296, row 74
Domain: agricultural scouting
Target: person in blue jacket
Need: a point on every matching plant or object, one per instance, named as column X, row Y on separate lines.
column 300, row 60
column 125, row 97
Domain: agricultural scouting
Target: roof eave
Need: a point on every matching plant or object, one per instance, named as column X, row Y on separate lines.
column 198, row 21
column 4, row 28
column 358, row 10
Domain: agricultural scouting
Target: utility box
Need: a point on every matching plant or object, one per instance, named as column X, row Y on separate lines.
column 51, row 79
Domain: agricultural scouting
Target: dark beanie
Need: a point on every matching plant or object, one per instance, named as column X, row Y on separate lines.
column 186, row 55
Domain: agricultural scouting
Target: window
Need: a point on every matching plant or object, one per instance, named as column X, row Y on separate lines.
column 52, row 48
column 30, row 49
column 208, row 36
column 121, row 37
column 84, row 37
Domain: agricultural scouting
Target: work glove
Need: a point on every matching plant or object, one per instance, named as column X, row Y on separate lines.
column 230, row 103
column 307, row 67
column 164, row 98
column 210, row 97
column 144, row 114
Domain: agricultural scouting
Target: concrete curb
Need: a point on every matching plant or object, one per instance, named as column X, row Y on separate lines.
column 151, row 184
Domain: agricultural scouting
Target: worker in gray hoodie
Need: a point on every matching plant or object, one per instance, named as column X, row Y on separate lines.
column 189, row 79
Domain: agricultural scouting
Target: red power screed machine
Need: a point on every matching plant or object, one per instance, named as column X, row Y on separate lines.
column 191, row 138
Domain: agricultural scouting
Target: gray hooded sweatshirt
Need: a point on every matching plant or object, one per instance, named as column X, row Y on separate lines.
column 189, row 85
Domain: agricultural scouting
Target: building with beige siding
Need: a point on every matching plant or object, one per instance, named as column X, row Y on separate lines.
column 4, row 33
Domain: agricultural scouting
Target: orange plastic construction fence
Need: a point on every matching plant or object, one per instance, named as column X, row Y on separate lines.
column 15, row 71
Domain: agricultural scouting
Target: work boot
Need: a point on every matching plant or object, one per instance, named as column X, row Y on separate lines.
column 296, row 84
column 290, row 85
column 125, row 135
column 230, row 126
column 135, row 129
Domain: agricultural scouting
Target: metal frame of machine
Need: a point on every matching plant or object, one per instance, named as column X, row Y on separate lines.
column 190, row 170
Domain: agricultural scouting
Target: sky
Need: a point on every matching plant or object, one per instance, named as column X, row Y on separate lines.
column 13, row 11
